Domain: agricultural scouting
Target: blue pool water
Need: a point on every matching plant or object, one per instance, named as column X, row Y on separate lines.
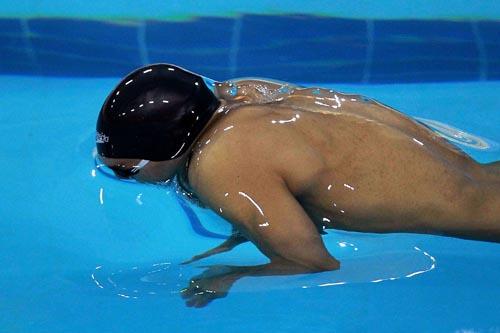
column 80, row 252
column 66, row 230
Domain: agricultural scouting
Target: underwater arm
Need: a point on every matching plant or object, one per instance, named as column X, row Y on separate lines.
column 267, row 214
column 230, row 243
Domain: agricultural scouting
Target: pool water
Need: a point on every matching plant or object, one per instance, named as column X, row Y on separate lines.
column 85, row 253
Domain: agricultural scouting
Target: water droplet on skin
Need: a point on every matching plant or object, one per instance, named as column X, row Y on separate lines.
column 283, row 89
column 233, row 91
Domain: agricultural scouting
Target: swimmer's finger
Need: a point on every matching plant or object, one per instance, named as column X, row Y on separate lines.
column 185, row 293
column 192, row 289
column 194, row 298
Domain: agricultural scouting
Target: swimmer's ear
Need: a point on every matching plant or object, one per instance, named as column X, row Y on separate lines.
column 233, row 241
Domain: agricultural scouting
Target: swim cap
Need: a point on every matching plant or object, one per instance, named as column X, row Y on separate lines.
column 155, row 113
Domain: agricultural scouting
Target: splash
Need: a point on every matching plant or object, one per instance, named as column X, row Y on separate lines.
column 458, row 136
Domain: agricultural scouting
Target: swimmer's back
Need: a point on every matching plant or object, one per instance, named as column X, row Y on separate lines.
column 383, row 179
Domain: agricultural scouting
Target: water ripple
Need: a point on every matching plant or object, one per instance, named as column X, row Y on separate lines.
column 458, row 136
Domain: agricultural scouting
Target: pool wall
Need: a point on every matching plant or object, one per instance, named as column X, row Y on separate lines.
column 295, row 48
column 186, row 9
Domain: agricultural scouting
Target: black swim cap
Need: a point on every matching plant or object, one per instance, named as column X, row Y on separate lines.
column 155, row 113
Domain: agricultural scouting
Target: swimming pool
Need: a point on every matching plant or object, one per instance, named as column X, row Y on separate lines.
column 85, row 253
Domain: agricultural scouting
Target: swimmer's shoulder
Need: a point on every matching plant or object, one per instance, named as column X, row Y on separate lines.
column 237, row 143
column 229, row 141
column 247, row 145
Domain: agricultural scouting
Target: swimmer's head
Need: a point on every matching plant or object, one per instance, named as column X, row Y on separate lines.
column 155, row 114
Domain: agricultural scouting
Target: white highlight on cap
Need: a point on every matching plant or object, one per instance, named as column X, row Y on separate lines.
column 151, row 102
column 165, row 101
column 148, row 70
column 128, row 82
column 171, row 69
column 175, row 155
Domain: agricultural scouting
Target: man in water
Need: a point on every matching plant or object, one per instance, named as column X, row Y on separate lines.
column 282, row 163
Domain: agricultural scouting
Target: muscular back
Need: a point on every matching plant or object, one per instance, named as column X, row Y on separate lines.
column 364, row 168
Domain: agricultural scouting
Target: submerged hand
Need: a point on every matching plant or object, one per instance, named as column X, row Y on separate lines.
column 213, row 283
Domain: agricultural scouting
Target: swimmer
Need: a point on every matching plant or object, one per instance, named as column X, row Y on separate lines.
column 282, row 163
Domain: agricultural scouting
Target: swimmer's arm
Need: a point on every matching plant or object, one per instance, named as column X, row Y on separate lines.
column 259, row 204
column 286, row 236
column 263, row 209
column 230, row 243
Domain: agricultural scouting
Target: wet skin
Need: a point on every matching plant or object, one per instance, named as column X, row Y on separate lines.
column 283, row 166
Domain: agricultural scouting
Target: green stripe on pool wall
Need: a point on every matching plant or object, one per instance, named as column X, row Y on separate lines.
column 297, row 48
column 185, row 9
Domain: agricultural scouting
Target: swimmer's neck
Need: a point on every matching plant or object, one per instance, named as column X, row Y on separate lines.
column 248, row 90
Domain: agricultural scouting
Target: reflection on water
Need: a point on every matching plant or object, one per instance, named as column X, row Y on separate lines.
column 134, row 282
column 166, row 278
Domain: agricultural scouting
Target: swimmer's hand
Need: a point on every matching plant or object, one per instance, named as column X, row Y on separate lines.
column 216, row 281
column 233, row 241
column 213, row 283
